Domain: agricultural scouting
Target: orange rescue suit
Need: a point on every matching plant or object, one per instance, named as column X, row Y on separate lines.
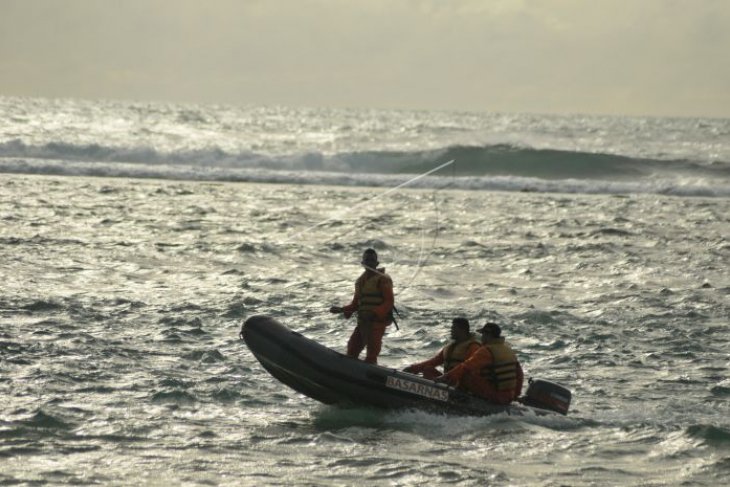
column 450, row 356
column 373, row 302
column 492, row 372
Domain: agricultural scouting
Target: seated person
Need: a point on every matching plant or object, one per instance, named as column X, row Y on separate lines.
column 463, row 343
column 492, row 372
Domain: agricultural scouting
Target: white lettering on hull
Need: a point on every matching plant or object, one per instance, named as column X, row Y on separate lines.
column 417, row 388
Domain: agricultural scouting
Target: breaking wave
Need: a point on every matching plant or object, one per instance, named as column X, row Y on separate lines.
column 492, row 167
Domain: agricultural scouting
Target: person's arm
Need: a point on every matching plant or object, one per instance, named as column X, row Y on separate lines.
column 349, row 309
column 476, row 361
column 434, row 361
column 473, row 347
column 520, row 381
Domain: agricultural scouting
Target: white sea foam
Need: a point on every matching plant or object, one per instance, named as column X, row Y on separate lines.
column 495, row 152
column 677, row 187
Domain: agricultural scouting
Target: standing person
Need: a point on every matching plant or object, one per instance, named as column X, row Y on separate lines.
column 492, row 372
column 373, row 302
column 462, row 345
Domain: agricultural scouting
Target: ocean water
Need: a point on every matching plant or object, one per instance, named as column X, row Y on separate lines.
column 136, row 238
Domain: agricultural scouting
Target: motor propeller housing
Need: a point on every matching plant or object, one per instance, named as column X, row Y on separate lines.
column 547, row 395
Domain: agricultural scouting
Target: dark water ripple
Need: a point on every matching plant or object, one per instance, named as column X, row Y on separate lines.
column 710, row 435
column 120, row 357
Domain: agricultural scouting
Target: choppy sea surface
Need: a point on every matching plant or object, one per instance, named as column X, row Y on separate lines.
column 136, row 238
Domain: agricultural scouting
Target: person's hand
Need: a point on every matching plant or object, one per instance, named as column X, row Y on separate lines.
column 336, row 309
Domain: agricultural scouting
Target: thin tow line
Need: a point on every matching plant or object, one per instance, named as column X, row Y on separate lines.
column 391, row 190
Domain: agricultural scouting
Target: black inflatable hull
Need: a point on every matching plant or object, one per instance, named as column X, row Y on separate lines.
column 333, row 378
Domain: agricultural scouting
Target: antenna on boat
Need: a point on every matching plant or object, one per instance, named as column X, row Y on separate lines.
column 348, row 210
column 423, row 255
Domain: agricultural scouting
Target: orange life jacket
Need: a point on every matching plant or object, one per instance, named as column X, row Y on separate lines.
column 502, row 372
column 369, row 296
column 455, row 352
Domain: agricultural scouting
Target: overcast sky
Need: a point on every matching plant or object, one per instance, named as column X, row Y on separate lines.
column 636, row 57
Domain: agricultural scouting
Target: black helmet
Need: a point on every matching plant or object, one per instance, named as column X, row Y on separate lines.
column 491, row 328
column 370, row 258
column 461, row 322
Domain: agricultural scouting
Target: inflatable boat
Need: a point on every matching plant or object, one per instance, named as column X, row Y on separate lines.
column 330, row 377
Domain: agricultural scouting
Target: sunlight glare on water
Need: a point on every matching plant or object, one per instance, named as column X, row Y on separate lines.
column 121, row 359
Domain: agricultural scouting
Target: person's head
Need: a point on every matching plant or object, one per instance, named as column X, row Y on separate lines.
column 370, row 259
column 490, row 330
column 459, row 328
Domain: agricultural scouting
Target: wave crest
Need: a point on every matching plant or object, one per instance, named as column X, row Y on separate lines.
column 492, row 167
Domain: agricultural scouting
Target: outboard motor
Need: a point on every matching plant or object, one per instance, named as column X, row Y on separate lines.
column 548, row 395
